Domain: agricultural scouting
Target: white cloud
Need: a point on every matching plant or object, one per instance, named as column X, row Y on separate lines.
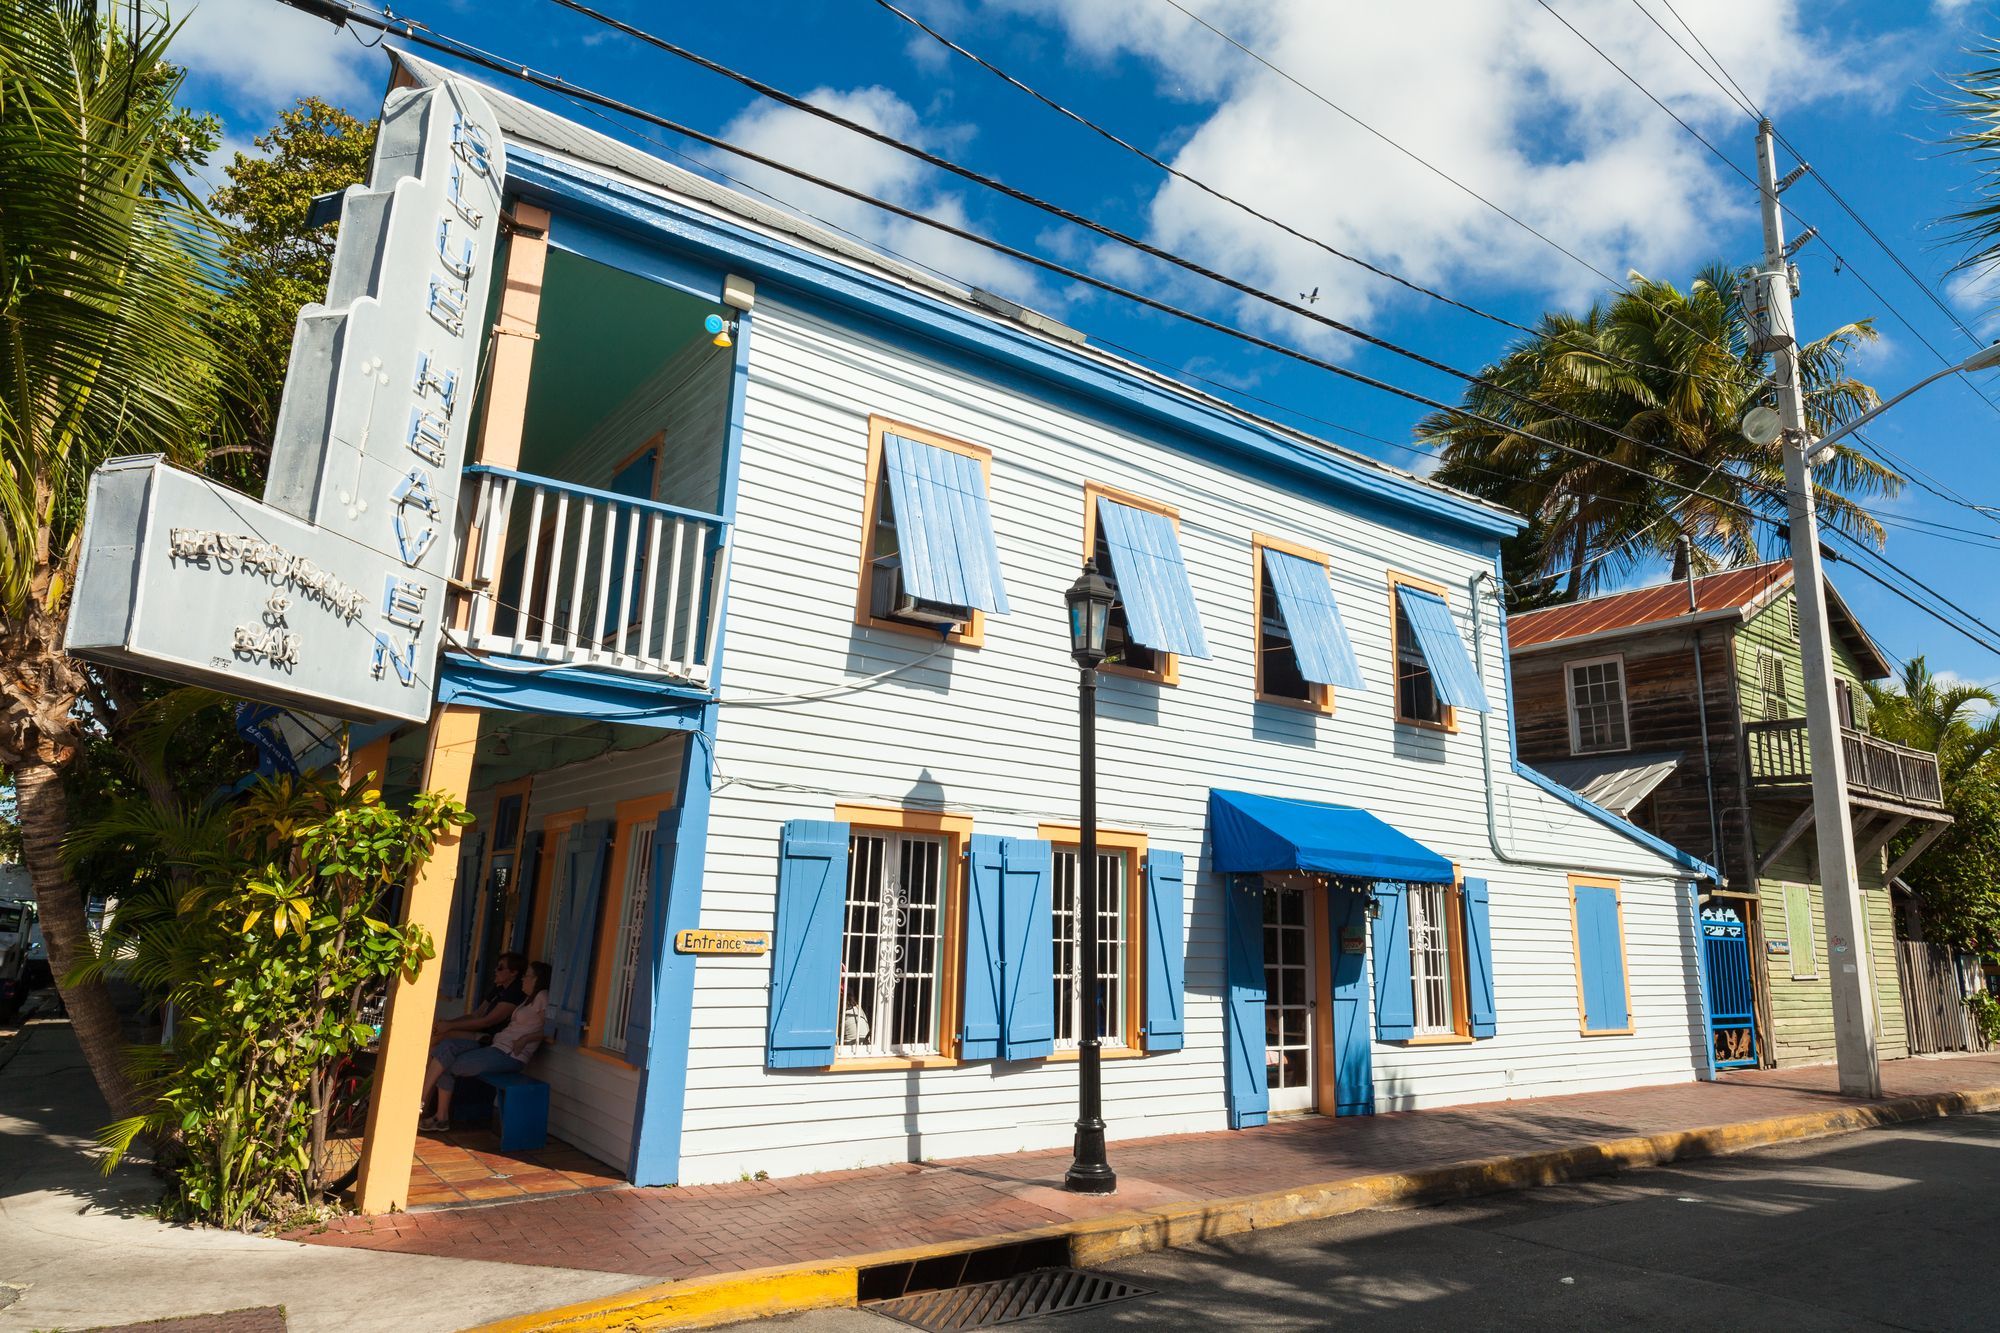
column 272, row 54
column 1976, row 293
column 1497, row 95
column 841, row 155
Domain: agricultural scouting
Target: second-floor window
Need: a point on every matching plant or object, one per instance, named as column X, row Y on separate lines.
column 1597, row 714
column 1771, row 703
column 928, row 559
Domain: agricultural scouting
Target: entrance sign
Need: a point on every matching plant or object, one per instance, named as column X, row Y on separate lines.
column 743, row 942
column 328, row 593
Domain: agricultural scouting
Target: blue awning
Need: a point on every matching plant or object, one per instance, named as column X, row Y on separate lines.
column 1152, row 580
column 1276, row 833
column 1444, row 652
column 1312, row 618
column 944, row 527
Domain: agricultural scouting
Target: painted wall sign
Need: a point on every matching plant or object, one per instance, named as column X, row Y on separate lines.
column 744, row 942
column 1777, row 946
column 328, row 593
column 1353, row 939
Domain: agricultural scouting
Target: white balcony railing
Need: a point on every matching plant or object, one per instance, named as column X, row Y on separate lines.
column 565, row 573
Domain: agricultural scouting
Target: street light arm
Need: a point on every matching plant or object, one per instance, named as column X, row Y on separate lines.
column 1980, row 360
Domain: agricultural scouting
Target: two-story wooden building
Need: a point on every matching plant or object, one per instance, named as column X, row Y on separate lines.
column 757, row 680
column 1681, row 706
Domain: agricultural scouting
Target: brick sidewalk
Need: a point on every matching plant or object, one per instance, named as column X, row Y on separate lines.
column 710, row 1229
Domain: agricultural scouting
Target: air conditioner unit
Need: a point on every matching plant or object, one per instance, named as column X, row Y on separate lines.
column 889, row 600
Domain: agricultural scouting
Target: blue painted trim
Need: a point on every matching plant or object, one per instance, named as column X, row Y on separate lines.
column 569, row 692
column 663, row 1066
column 628, row 225
column 587, row 239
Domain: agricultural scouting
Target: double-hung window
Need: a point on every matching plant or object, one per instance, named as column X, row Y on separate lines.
column 1437, row 960
column 1597, row 708
column 1302, row 647
column 1116, row 893
column 628, row 895
column 892, row 944
column 1136, row 544
column 1434, row 673
column 929, row 562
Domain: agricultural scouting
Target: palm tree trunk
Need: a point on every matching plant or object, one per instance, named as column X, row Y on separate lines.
column 43, row 810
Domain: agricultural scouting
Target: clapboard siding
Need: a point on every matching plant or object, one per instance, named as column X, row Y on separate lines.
column 992, row 732
column 687, row 402
column 592, row 1094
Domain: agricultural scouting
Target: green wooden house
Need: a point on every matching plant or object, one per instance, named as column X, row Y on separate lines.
column 1681, row 707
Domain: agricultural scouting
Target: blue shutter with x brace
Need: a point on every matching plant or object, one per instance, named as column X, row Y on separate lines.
column 1166, row 950
column 527, row 880
column 585, row 850
column 985, row 980
column 1246, row 1086
column 1395, row 1001
column 1027, row 942
column 805, row 946
column 1479, row 959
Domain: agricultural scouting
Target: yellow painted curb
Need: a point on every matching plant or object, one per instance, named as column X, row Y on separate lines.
column 700, row 1302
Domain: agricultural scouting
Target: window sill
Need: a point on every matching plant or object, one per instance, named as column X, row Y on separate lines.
column 864, row 1064
column 1441, row 1039
column 973, row 637
column 1318, row 708
column 1166, row 675
column 1069, row 1055
column 1606, row 1032
column 1449, row 727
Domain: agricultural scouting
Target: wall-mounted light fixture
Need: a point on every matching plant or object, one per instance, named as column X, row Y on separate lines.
column 722, row 331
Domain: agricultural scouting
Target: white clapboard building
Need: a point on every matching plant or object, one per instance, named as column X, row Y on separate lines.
column 768, row 535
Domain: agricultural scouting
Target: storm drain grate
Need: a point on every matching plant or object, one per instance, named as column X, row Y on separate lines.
column 1023, row 1296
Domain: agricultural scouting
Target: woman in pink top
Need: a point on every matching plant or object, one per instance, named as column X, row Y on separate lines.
column 513, row 1045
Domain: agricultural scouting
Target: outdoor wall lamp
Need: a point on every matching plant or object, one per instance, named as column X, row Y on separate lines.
column 722, row 330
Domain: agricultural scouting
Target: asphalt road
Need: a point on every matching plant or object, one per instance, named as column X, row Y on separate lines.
column 1890, row 1228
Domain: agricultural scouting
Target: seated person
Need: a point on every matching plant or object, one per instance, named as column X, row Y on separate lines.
column 513, row 1045
column 492, row 1013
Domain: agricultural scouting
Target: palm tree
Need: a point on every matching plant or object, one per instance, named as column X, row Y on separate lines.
column 107, row 274
column 1673, row 371
column 1925, row 713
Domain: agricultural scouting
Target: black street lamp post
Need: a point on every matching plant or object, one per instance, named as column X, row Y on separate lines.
column 1089, row 599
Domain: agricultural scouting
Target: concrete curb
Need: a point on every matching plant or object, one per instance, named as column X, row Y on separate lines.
column 702, row 1302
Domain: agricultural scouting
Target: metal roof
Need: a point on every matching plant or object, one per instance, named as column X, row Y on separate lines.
column 1618, row 782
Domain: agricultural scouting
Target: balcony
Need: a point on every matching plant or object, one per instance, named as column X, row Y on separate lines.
column 1780, row 758
column 570, row 575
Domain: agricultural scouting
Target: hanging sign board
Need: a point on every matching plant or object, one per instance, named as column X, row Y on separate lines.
column 720, row 942
column 328, row 593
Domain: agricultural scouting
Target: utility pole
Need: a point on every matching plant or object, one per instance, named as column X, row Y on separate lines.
column 1852, row 982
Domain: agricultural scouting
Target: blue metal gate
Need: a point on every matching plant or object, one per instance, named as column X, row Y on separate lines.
column 1732, row 997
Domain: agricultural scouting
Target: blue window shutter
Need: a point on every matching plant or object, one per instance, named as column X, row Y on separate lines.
column 1444, row 651
column 1600, row 954
column 805, row 947
column 586, row 848
column 1245, row 1087
column 1152, row 579
column 1312, row 618
column 1353, row 1055
column 979, row 1034
column 1027, row 942
column 1395, row 1001
column 1479, row 959
column 462, row 921
column 527, row 880
column 1166, row 951
column 639, row 1014
column 944, row 525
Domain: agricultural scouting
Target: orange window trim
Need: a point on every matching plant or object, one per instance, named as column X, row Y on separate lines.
column 973, row 635
column 1070, row 837
column 956, row 829
column 554, row 828
column 1169, row 670
column 1396, row 580
column 1322, row 695
column 629, row 815
column 1576, row 946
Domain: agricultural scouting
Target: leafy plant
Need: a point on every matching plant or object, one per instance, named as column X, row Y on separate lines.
column 268, row 938
column 1985, row 1015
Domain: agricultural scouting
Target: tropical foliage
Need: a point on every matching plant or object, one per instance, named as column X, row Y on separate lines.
column 1672, row 371
column 268, row 936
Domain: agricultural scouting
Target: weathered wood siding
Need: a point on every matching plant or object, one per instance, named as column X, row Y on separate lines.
column 1770, row 630
column 991, row 732
column 1663, row 715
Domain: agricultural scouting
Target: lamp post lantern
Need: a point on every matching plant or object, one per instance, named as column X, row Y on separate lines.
column 1089, row 600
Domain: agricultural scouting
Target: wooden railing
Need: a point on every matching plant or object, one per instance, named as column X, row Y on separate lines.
column 565, row 573
column 1781, row 757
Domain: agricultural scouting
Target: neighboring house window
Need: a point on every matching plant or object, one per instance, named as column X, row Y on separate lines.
column 1303, row 651
column 1154, row 622
column 1602, row 992
column 1799, row 932
column 892, row 946
column 1116, row 880
column 624, row 917
column 1771, row 686
column 929, row 562
column 1792, row 617
column 1843, row 700
column 1597, row 715
column 1437, row 955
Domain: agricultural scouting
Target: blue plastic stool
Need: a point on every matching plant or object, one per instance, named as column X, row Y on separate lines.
column 521, row 1108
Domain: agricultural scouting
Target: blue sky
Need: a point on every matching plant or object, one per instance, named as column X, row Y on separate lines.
column 1496, row 94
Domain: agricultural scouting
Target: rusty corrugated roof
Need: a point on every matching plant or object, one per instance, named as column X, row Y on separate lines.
column 1732, row 589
